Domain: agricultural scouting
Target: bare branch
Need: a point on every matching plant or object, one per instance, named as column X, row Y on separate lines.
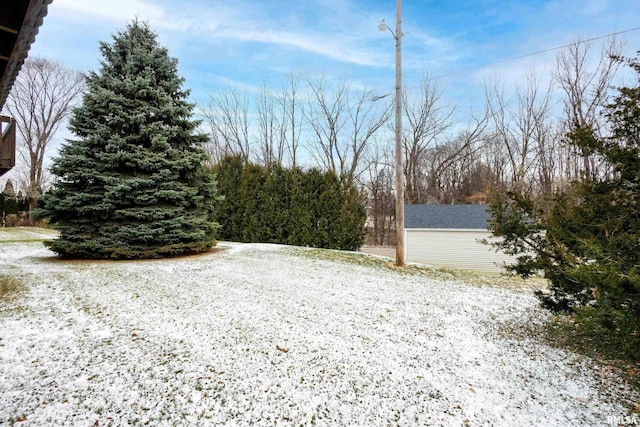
column 42, row 98
column 586, row 87
column 344, row 122
column 227, row 116
column 428, row 120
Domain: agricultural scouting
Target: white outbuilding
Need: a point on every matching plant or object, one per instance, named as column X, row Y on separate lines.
column 450, row 236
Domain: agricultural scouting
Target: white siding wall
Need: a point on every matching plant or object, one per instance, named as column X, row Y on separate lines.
column 453, row 248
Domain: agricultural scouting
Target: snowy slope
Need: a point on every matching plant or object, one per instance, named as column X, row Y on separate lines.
column 256, row 335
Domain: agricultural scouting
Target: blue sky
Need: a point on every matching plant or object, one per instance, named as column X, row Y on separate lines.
column 244, row 44
column 247, row 43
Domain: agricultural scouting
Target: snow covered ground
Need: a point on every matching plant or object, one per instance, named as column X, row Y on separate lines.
column 260, row 335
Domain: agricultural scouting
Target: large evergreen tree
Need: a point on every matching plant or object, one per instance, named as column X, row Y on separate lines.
column 132, row 183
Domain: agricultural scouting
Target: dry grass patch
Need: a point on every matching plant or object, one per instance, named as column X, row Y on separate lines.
column 10, row 288
column 474, row 278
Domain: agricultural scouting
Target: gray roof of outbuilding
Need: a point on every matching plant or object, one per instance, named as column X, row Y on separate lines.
column 467, row 217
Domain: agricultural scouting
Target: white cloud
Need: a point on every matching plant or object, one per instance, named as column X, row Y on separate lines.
column 124, row 10
column 338, row 31
column 338, row 49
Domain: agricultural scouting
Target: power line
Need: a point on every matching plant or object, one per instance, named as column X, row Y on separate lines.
column 538, row 52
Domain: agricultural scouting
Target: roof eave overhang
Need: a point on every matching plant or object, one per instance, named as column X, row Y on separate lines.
column 36, row 12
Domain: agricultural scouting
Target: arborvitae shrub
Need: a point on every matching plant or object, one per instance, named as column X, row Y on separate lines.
column 289, row 206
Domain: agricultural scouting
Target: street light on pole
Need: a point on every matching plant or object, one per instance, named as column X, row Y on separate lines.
column 397, row 35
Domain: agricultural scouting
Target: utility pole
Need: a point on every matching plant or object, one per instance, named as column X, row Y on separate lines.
column 399, row 168
column 397, row 35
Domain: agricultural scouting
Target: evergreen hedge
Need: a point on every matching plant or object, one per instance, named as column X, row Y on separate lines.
column 271, row 204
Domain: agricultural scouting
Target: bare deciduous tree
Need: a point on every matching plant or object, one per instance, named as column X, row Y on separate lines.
column 42, row 98
column 586, row 85
column 524, row 130
column 271, row 127
column 344, row 122
column 291, row 107
column 227, row 116
column 427, row 123
column 448, row 167
column 379, row 181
